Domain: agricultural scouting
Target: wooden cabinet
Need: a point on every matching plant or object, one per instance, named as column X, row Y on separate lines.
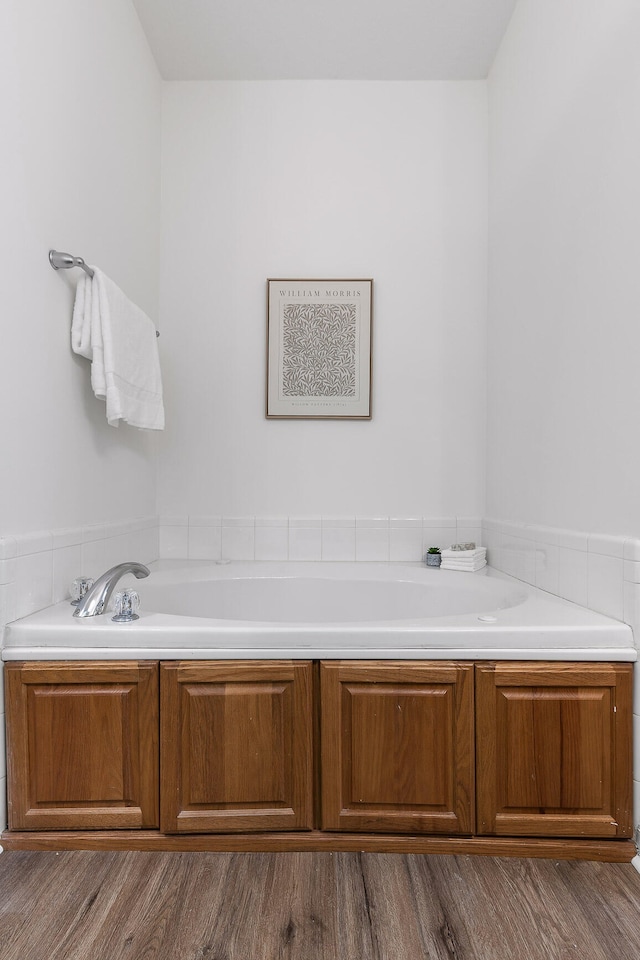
column 397, row 747
column 553, row 749
column 82, row 745
column 237, row 746
column 473, row 753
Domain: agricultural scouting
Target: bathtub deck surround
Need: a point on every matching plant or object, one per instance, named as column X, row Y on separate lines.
column 245, row 609
column 594, row 571
column 370, row 622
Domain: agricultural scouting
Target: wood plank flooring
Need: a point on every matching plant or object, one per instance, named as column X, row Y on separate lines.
column 80, row 905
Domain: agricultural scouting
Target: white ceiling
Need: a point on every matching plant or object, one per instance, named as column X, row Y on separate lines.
column 326, row 40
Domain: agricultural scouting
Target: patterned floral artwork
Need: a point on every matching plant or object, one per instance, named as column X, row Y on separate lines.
column 319, row 349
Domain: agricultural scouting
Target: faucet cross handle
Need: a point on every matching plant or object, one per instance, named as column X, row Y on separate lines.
column 79, row 589
column 127, row 605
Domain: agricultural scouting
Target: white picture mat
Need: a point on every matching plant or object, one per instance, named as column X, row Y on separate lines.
column 319, row 348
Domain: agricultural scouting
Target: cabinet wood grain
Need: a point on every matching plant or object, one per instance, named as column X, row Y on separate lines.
column 397, row 747
column 237, row 746
column 82, row 745
column 554, row 749
column 302, row 755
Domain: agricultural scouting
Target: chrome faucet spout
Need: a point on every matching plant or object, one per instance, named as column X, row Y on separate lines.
column 95, row 602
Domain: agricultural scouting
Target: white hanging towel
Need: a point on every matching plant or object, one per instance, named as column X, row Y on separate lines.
column 81, row 323
column 120, row 340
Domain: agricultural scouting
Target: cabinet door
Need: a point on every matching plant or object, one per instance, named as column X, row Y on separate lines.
column 397, row 747
column 82, row 745
column 554, row 749
column 236, row 746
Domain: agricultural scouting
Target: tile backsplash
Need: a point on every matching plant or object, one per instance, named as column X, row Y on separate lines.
column 311, row 538
column 596, row 571
column 37, row 569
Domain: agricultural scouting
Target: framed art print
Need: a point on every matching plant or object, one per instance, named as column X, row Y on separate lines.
column 319, row 349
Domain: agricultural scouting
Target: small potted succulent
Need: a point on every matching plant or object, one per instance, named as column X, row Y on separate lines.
column 433, row 557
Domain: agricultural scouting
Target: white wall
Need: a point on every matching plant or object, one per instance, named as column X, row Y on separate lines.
column 79, row 170
column 324, row 179
column 564, row 324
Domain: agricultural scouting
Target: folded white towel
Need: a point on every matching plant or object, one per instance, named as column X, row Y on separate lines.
column 463, row 555
column 465, row 563
column 468, row 567
column 120, row 340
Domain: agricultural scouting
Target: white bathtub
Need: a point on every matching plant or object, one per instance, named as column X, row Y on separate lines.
column 197, row 610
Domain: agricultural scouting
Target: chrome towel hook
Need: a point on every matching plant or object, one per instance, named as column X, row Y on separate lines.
column 64, row 261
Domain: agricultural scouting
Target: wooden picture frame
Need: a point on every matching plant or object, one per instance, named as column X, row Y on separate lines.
column 319, row 336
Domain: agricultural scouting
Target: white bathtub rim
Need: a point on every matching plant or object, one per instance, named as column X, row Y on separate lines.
column 542, row 625
column 568, row 654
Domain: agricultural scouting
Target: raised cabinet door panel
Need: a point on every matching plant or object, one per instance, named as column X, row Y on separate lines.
column 554, row 749
column 397, row 747
column 237, row 746
column 82, row 745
